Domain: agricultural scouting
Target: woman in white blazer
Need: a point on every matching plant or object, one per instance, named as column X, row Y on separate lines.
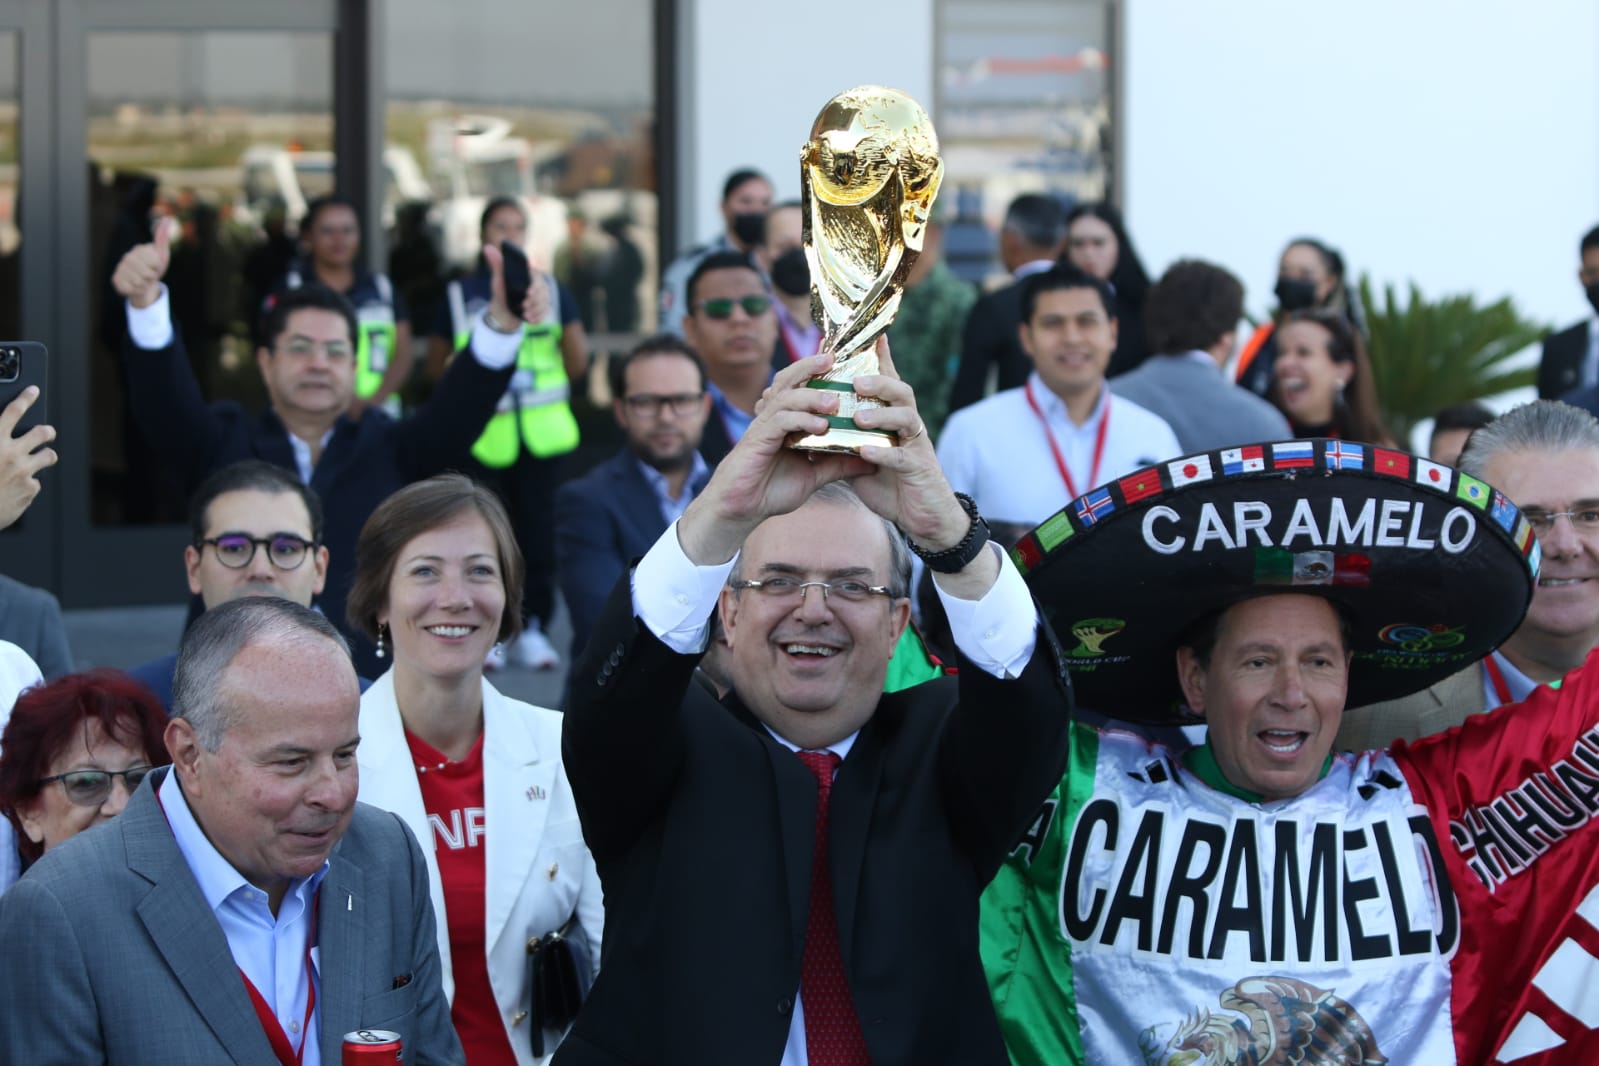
column 476, row 775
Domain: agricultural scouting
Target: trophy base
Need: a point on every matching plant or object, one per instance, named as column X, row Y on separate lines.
column 841, row 440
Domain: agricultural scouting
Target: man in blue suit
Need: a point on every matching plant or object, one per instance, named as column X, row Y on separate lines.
column 611, row 516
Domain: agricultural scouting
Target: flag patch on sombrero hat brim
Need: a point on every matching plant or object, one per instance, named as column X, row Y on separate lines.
column 1433, row 568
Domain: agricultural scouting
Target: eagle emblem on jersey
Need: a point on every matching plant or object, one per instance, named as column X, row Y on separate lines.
column 1284, row 1023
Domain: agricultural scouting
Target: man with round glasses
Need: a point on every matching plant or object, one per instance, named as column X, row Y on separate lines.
column 1544, row 458
column 256, row 530
column 793, row 869
column 731, row 324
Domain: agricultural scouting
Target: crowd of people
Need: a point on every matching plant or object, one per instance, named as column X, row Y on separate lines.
column 1144, row 702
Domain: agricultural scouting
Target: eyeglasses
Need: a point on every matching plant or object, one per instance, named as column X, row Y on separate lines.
column 89, row 788
column 303, row 347
column 1584, row 523
column 648, row 404
column 719, row 308
column 237, row 550
column 787, row 590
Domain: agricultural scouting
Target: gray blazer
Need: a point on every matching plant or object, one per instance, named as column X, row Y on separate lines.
column 114, row 956
column 1203, row 408
column 1432, row 710
column 30, row 618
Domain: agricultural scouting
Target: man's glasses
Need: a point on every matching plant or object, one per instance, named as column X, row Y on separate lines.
column 305, row 347
column 237, row 550
column 788, row 590
column 89, row 788
column 720, row 308
column 1585, row 523
column 649, row 405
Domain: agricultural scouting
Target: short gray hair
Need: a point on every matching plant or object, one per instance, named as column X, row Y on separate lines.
column 899, row 554
column 1540, row 426
column 216, row 638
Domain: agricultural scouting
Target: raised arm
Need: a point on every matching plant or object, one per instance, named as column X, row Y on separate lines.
column 162, row 391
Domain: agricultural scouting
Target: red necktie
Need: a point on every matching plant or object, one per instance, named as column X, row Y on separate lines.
column 832, row 1031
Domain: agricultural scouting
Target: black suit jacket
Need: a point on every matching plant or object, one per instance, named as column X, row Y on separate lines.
column 701, row 825
column 603, row 521
column 1560, row 369
column 992, row 337
column 363, row 463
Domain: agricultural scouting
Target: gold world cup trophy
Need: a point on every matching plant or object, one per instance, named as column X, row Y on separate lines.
column 868, row 177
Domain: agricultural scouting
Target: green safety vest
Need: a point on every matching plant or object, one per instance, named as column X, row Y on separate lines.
column 534, row 412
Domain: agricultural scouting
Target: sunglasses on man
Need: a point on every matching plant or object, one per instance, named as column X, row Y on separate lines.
column 722, row 307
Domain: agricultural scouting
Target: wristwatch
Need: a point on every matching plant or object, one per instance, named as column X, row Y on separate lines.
column 954, row 560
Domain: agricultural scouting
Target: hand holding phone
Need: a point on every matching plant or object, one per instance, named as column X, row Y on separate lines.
column 518, row 277
column 23, row 433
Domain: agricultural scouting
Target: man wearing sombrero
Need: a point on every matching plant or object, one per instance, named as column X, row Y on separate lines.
column 1259, row 898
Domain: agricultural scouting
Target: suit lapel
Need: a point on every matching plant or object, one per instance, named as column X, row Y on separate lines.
column 518, row 780
column 849, row 819
column 388, row 781
column 636, row 500
column 183, row 930
column 341, row 936
column 796, row 820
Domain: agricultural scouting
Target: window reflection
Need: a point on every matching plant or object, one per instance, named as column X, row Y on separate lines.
column 557, row 111
column 1023, row 106
column 230, row 134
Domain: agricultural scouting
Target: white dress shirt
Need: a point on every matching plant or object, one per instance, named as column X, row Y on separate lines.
column 674, row 598
column 270, row 949
column 998, row 453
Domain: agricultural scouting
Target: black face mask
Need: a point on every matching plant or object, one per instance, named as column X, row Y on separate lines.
column 750, row 228
column 791, row 274
column 1593, row 295
column 1295, row 294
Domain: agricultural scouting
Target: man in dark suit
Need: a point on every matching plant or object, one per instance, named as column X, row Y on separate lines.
column 792, row 874
column 612, row 515
column 1030, row 241
column 243, row 907
column 307, row 360
column 1570, row 359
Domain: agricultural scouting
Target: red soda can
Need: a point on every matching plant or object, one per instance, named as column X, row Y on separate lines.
column 366, row 1046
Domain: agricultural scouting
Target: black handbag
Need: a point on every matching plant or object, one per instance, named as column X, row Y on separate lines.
column 560, row 971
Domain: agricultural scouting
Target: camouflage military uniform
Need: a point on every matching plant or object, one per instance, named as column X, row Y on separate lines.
column 926, row 339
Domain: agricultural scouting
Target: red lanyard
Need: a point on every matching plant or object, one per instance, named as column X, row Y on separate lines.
column 275, row 1035
column 1060, row 460
column 286, row 1052
column 1496, row 678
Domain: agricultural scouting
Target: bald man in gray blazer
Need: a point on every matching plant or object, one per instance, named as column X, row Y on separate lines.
column 124, row 943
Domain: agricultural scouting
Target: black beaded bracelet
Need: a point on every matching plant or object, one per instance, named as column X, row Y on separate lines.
column 954, row 560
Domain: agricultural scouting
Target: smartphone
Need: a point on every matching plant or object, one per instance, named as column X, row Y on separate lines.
column 23, row 363
column 518, row 277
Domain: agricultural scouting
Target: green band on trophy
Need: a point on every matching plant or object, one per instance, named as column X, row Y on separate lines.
column 836, row 422
column 835, row 386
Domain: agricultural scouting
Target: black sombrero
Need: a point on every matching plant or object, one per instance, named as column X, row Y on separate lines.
column 1432, row 567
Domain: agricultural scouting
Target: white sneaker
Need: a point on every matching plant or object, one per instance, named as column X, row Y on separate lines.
column 532, row 651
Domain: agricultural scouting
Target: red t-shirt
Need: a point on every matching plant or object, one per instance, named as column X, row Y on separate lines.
column 452, row 794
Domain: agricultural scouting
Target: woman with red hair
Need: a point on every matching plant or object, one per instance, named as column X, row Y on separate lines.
column 72, row 753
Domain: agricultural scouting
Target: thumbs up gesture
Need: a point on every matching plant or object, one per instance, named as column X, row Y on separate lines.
column 138, row 275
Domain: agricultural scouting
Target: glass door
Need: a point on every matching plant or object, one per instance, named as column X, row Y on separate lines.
column 203, row 113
